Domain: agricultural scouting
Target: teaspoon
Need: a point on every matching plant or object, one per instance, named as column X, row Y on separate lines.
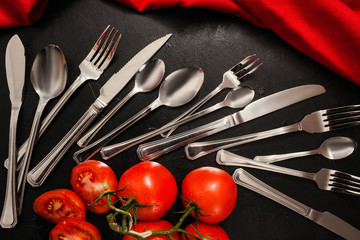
column 48, row 77
column 178, row 88
column 332, row 148
column 146, row 79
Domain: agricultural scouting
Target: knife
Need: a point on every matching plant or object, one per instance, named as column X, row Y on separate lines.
column 40, row 172
column 258, row 108
column 324, row 219
column 15, row 74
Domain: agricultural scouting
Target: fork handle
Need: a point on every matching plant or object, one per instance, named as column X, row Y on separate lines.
column 40, row 172
column 198, row 149
column 245, row 179
column 49, row 118
column 226, row 158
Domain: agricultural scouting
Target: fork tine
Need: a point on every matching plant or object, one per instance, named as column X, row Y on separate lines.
column 341, row 109
column 108, row 56
column 345, row 122
column 94, row 49
column 240, row 65
column 344, row 182
column 342, row 189
column 95, row 59
column 246, row 75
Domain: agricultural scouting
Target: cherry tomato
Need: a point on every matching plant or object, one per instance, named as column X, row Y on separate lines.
column 213, row 190
column 74, row 229
column 91, row 178
column 213, row 231
column 58, row 204
column 143, row 226
column 149, row 183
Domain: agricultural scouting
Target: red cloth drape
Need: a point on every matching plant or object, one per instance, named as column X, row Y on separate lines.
column 326, row 30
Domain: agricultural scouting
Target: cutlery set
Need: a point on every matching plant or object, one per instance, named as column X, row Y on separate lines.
column 49, row 75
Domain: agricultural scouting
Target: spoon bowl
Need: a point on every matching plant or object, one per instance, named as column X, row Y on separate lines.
column 337, row 147
column 181, row 86
column 48, row 77
column 239, row 97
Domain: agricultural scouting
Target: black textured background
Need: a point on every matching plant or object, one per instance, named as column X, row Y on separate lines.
column 214, row 42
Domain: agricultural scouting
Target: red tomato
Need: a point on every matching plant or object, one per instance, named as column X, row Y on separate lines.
column 213, row 190
column 213, row 231
column 74, row 229
column 58, row 204
column 149, row 183
column 143, row 226
column 91, row 178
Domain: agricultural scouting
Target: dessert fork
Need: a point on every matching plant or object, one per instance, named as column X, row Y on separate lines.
column 317, row 122
column 91, row 68
column 326, row 179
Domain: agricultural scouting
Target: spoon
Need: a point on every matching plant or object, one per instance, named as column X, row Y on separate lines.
column 146, row 79
column 178, row 88
column 237, row 98
column 48, row 77
column 332, row 148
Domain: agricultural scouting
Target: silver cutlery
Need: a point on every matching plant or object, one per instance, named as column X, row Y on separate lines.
column 237, row 98
column 261, row 107
column 91, row 68
column 15, row 74
column 332, row 148
column 324, row 219
column 178, row 88
column 317, row 122
column 48, row 77
column 234, row 75
column 111, row 88
column 231, row 79
column 147, row 79
column 326, row 179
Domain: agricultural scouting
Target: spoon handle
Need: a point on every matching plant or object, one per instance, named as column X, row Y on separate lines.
column 26, row 161
column 49, row 118
column 282, row 157
column 86, row 138
column 92, row 149
column 40, row 172
column 9, row 211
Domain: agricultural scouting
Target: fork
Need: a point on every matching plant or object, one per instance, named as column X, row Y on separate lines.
column 231, row 79
column 317, row 122
column 94, row 64
column 326, row 179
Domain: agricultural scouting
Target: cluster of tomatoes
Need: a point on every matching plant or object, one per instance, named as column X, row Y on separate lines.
column 151, row 184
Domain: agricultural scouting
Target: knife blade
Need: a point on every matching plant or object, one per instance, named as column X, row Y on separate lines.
column 15, row 74
column 258, row 108
column 112, row 87
column 324, row 219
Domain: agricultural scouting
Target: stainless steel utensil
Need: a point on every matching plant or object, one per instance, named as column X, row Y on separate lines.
column 237, row 98
column 317, row 122
column 263, row 106
column 15, row 74
column 324, row 219
column 231, row 79
column 177, row 89
column 332, row 148
column 38, row 175
column 48, row 77
column 326, row 179
column 147, row 79
column 91, row 68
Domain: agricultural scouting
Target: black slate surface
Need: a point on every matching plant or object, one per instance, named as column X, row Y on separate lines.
column 214, row 42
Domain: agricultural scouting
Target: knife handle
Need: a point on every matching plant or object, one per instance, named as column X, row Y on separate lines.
column 152, row 150
column 9, row 211
column 245, row 179
column 40, row 172
column 49, row 118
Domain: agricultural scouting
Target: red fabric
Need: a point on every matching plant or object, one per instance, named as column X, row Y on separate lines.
column 20, row 12
column 325, row 30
